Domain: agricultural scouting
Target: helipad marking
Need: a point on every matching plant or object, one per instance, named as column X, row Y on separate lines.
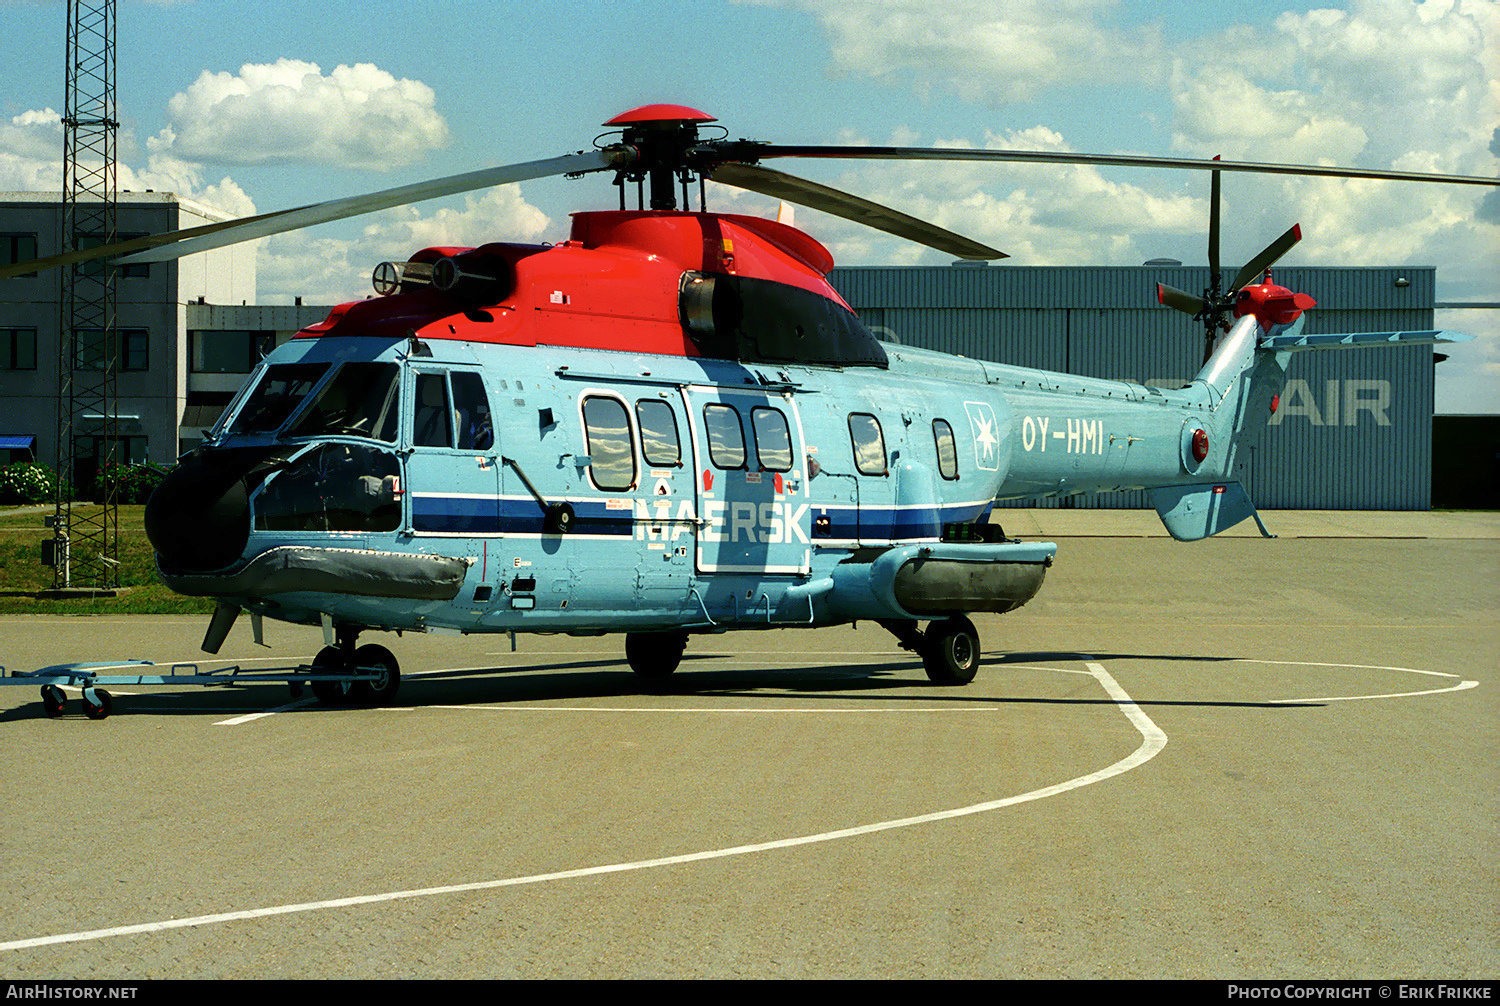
column 1463, row 685
column 1152, row 742
column 1460, row 687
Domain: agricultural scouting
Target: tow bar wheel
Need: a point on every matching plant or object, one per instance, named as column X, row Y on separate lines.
column 97, row 703
column 53, row 701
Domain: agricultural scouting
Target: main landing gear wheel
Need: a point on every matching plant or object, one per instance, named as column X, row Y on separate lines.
column 950, row 651
column 374, row 657
column 654, row 655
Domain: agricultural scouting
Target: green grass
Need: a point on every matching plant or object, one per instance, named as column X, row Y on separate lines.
column 22, row 574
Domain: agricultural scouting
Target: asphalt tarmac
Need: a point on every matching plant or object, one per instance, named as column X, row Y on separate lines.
column 1232, row 759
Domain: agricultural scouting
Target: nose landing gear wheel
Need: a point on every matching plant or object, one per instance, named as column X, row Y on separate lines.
column 950, row 651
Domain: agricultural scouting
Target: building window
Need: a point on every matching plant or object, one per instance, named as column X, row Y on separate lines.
column 223, row 352
column 135, row 270
column 91, row 348
column 16, row 248
column 17, row 349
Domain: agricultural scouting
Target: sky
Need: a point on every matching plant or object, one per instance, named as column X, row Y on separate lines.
column 259, row 107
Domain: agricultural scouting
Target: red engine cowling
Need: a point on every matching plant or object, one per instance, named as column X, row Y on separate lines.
column 1271, row 304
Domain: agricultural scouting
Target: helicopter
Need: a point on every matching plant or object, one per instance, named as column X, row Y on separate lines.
column 671, row 424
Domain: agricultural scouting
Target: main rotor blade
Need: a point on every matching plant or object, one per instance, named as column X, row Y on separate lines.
column 1114, row 160
column 119, row 247
column 779, row 185
column 1268, row 256
column 350, row 206
column 1178, row 299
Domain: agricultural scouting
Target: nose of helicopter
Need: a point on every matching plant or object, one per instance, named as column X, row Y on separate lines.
column 198, row 519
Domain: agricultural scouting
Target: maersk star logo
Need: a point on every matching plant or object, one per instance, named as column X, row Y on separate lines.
column 986, row 437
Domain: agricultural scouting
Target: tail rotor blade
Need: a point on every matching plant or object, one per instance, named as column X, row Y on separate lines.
column 1213, row 230
column 1273, row 251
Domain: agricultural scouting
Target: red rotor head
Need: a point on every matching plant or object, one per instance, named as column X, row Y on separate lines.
column 660, row 113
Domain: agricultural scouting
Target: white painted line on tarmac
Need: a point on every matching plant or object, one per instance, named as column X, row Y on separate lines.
column 703, row 710
column 1357, row 667
column 235, row 721
column 1462, row 686
column 1152, row 742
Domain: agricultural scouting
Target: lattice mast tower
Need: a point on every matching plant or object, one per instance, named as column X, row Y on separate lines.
column 87, row 538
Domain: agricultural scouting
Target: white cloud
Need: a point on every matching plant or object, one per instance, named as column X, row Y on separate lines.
column 31, row 146
column 164, row 173
column 31, row 161
column 980, row 50
column 1385, row 83
column 357, row 116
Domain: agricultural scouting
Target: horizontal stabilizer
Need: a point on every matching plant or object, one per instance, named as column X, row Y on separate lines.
column 1359, row 340
column 1194, row 512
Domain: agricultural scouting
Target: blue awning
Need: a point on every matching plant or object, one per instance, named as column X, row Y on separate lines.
column 14, row 443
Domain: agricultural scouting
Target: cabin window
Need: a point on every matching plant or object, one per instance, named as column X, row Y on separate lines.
column 869, row 443
column 359, row 401
column 612, row 461
column 280, row 391
column 947, row 448
column 773, row 439
column 659, row 441
column 432, row 422
column 476, row 428
column 726, row 437
column 333, row 487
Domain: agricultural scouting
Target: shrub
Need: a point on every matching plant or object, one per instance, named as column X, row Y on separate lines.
column 27, row 482
column 132, row 483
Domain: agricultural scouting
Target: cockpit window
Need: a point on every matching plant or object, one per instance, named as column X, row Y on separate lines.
column 333, row 487
column 281, row 389
column 360, row 401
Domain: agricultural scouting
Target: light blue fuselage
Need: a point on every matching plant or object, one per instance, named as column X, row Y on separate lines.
column 839, row 470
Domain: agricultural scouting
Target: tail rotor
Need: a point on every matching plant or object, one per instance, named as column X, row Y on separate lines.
column 1215, row 306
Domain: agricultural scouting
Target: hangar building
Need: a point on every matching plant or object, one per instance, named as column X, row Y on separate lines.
column 1354, row 429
